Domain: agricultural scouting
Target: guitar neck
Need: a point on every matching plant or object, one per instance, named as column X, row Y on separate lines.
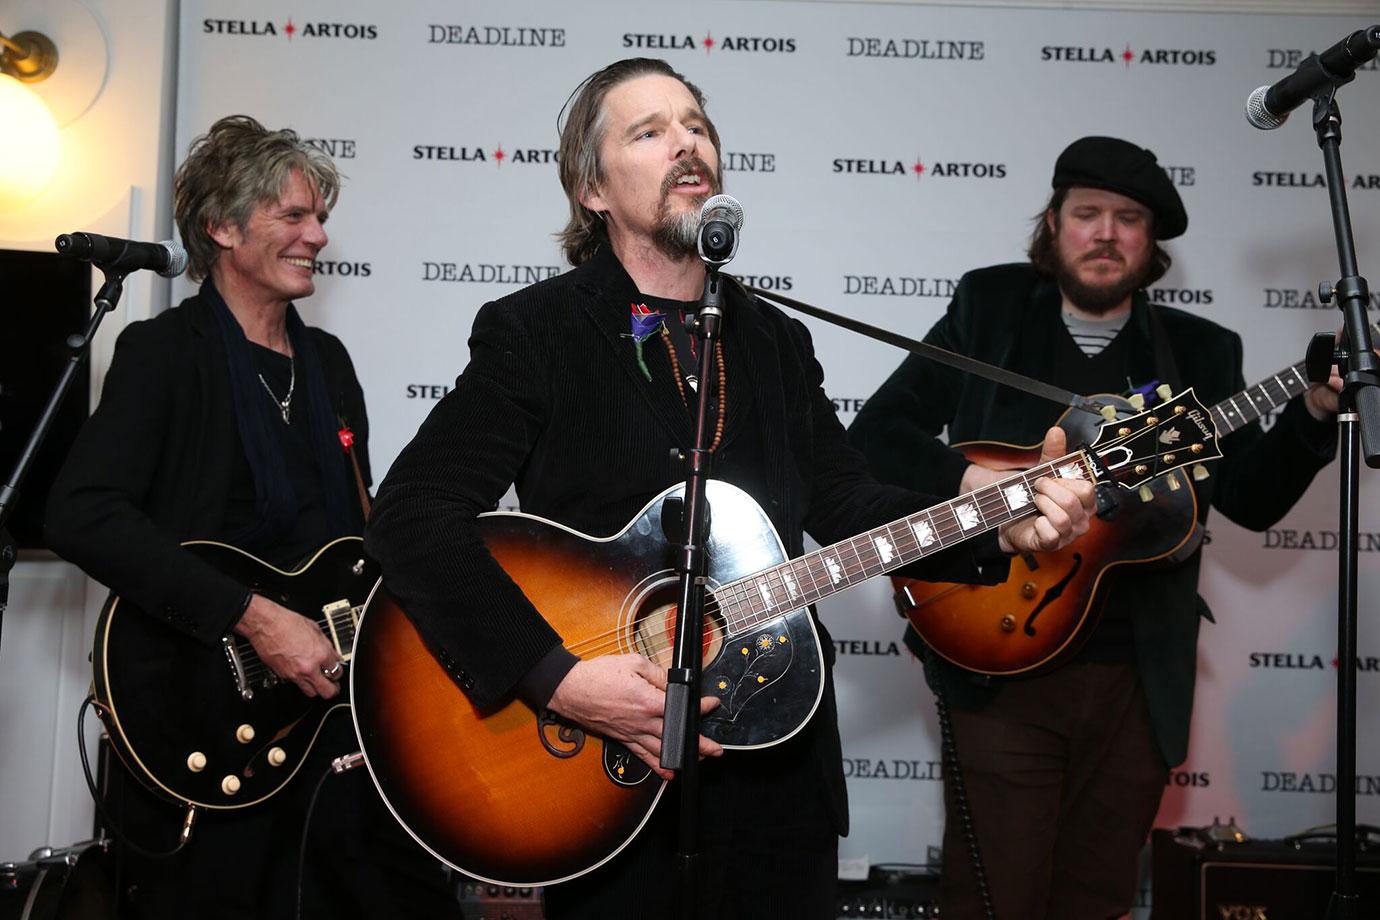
column 815, row 576
column 1253, row 402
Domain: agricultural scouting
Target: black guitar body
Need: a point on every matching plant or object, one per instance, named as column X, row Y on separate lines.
column 212, row 726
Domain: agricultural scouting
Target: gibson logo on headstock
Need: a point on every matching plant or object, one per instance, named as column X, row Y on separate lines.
column 1208, row 429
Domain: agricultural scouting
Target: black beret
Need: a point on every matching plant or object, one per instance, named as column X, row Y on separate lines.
column 1120, row 166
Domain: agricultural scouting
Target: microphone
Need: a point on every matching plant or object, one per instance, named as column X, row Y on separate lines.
column 720, row 220
column 167, row 258
column 1268, row 106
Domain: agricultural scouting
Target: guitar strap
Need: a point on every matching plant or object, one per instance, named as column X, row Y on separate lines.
column 347, row 443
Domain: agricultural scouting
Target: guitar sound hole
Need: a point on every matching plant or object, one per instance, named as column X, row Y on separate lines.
column 654, row 629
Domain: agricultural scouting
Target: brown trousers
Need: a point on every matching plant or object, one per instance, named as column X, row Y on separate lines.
column 1063, row 783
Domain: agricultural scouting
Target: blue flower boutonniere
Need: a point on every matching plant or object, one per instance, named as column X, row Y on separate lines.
column 646, row 322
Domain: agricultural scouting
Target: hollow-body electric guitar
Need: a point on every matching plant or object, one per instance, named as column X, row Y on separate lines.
column 213, row 726
column 1043, row 613
column 517, row 797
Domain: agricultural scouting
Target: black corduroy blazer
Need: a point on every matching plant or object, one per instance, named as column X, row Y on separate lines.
column 554, row 400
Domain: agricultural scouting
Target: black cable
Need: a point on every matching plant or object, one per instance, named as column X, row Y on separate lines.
column 100, row 805
column 306, row 827
column 954, row 774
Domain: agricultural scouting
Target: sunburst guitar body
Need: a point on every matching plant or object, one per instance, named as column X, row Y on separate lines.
column 1046, row 609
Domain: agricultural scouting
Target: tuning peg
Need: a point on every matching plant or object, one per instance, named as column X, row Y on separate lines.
column 1109, row 413
column 1164, row 391
column 1200, row 472
column 1173, row 481
column 1137, row 401
column 1146, row 494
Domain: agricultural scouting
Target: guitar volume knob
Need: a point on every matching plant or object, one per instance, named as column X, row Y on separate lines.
column 244, row 734
column 1008, row 623
column 230, row 784
column 1028, row 589
column 277, row 756
column 196, row 761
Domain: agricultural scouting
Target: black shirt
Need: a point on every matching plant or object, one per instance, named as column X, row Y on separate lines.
column 311, row 528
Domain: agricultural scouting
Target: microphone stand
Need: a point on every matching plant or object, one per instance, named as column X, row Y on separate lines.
column 681, row 728
column 1358, row 425
column 80, row 346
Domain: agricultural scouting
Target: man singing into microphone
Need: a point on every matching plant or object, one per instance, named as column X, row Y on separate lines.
column 578, row 389
column 220, row 420
column 1063, row 771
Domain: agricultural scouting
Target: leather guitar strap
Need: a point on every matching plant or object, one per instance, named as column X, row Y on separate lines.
column 347, row 441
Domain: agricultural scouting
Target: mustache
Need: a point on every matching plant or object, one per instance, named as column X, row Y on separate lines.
column 684, row 168
column 1104, row 252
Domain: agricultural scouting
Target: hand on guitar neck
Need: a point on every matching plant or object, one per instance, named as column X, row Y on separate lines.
column 623, row 697
column 1064, row 504
column 292, row 646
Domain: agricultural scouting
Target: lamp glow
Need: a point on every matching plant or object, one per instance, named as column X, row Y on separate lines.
column 32, row 146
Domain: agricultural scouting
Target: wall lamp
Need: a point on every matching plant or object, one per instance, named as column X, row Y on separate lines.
column 33, row 147
column 28, row 57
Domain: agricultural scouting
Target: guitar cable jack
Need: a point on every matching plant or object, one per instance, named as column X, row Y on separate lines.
column 347, row 762
column 187, row 824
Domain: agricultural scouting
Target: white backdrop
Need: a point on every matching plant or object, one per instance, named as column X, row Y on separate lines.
column 875, row 148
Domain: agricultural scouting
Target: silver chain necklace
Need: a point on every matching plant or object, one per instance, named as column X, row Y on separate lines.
column 285, row 404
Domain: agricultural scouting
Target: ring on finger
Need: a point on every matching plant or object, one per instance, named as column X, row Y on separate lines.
column 334, row 671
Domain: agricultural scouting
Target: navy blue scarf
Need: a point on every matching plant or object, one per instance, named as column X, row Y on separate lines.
column 275, row 499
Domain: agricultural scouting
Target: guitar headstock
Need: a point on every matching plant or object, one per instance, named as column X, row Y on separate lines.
column 1177, row 432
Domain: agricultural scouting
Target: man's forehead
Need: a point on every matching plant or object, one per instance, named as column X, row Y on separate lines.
column 1082, row 195
column 297, row 191
column 648, row 95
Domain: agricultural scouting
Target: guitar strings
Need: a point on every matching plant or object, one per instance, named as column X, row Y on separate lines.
column 256, row 669
column 740, row 592
column 989, row 501
column 738, row 596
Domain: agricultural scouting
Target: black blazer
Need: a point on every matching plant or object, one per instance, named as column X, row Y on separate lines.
column 553, row 400
column 1008, row 315
column 152, row 468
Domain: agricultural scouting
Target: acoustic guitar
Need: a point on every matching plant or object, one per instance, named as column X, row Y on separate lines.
column 517, row 797
column 1043, row 613
column 213, row 726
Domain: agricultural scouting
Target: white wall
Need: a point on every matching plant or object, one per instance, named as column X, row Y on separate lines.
column 114, row 180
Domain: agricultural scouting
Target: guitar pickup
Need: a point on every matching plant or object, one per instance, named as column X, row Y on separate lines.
column 330, row 611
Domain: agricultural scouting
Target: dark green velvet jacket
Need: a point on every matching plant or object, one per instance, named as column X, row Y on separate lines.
column 1009, row 315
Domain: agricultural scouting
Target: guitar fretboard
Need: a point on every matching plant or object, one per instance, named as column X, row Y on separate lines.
column 1253, row 402
column 773, row 592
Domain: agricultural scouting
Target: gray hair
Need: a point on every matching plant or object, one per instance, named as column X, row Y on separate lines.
column 232, row 169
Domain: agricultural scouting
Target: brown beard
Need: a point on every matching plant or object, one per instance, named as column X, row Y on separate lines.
column 1098, row 299
column 676, row 234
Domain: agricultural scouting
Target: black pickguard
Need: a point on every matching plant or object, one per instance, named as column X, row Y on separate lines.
column 770, row 691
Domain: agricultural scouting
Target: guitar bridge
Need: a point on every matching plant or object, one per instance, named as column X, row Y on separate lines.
column 232, row 655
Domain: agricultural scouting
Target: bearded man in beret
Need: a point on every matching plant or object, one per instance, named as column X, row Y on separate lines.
column 1062, row 773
